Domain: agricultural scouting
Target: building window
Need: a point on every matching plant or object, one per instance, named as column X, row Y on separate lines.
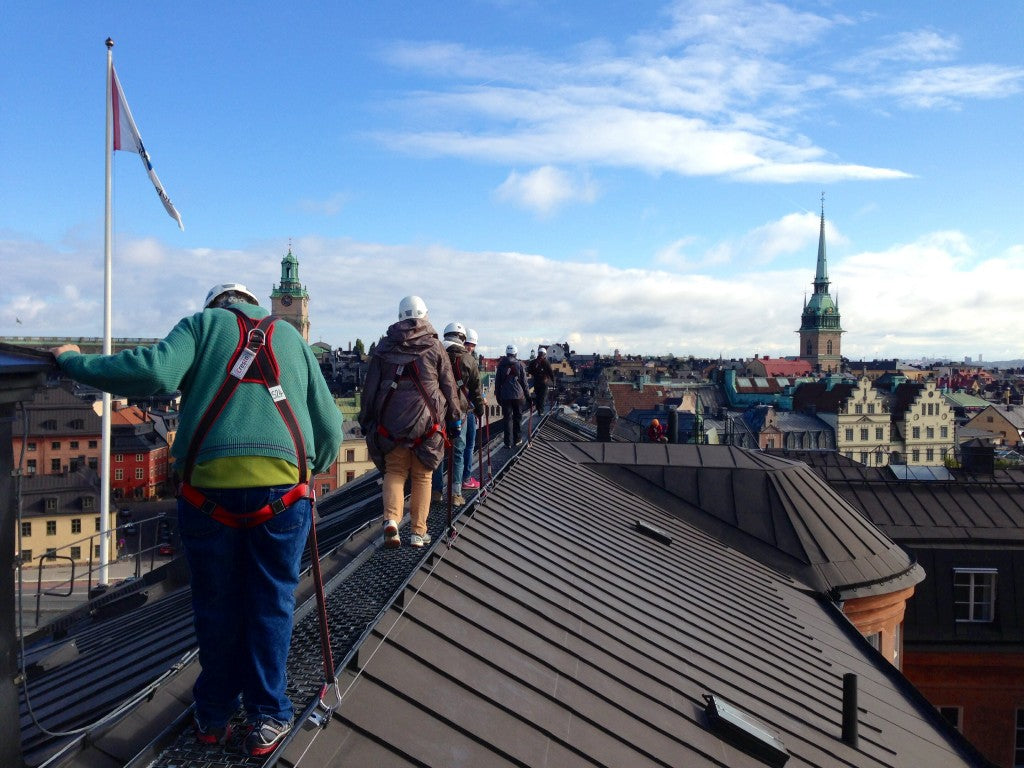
column 97, row 523
column 76, row 525
column 879, row 433
column 139, row 474
column 87, row 502
column 96, row 551
column 73, row 445
column 93, row 463
column 863, row 457
column 350, row 475
column 864, row 435
column 31, row 446
column 874, row 640
column 26, row 555
column 51, row 503
column 929, row 432
column 92, row 444
column 849, row 435
column 350, row 455
column 118, row 457
column 51, row 553
column 78, row 424
column 858, row 408
column 51, row 527
column 929, row 454
column 26, row 529
column 871, row 407
column 915, row 455
column 119, row 474
column 55, row 465
column 916, row 433
column 138, row 457
column 953, row 715
column 944, row 432
column 325, row 488
column 974, row 594
column 76, row 553
column 31, row 466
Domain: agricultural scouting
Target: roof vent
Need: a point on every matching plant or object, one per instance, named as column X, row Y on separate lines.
column 653, row 531
column 744, row 731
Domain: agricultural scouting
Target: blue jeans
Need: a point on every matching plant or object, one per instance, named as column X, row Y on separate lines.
column 467, row 455
column 458, row 449
column 243, row 601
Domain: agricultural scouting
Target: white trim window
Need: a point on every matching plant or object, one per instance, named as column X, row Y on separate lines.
column 974, row 594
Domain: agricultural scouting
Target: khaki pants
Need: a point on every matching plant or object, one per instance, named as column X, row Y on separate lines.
column 401, row 463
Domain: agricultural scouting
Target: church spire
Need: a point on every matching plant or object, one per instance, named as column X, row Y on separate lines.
column 821, row 274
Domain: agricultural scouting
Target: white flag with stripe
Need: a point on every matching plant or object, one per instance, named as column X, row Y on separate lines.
column 127, row 139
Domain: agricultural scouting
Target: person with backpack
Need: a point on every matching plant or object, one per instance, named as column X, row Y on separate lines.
column 512, row 390
column 257, row 421
column 543, row 374
column 410, row 405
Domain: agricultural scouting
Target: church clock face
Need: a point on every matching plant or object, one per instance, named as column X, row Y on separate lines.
column 286, row 300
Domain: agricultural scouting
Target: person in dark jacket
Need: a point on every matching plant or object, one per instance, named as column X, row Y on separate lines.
column 512, row 389
column 409, row 396
column 474, row 418
column 467, row 379
column 542, row 374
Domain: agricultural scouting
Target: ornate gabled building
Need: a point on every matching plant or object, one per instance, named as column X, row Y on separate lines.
column 290, row 299
column 820, row 331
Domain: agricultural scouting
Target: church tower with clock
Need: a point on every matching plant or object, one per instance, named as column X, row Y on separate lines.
column 290, row 300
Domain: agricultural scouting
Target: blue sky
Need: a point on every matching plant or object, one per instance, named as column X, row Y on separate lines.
column 636, row 175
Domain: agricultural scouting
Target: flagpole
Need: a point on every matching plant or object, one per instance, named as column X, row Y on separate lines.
column 107, row 282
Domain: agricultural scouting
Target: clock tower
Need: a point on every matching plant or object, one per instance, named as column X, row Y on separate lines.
column 290, row 300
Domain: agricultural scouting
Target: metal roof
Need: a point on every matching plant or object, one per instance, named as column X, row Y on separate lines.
column 558, row 633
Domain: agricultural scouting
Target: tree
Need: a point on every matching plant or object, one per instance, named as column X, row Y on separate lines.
column 359, row 349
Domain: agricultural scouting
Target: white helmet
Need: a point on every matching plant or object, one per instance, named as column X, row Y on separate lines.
column 411, row 306
column 512, row 349
column 219, row 290
column 471, row 336
column 455, row 329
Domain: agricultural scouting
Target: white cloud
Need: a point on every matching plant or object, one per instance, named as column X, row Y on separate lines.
column 329, row 206
column 545, row 189
column 936, row 294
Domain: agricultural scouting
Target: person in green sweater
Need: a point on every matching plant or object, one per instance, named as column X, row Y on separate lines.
column 273, row 424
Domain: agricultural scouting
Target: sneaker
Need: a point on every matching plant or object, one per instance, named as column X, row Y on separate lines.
column 472, row 484
column 436, row 495
column 418, row 540
column 265, row 735
column 211, row 736
column 458, row 500
column 391, row 537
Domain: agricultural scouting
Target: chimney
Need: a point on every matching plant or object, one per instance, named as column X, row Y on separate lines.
column 850, row 715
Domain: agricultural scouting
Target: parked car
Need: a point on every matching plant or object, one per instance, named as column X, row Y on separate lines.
column 166, row 549
column 126, row 521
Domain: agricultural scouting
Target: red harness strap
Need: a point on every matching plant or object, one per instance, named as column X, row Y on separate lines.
column 253, row 351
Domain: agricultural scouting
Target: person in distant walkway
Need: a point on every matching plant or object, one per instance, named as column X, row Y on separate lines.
column 473, row 420
column 244, row 511
column 409, row 397
column 543, row 374
column 656, row 432
column 512, row 390
column 467, row 380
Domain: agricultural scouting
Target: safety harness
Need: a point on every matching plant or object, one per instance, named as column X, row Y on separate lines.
column 436, row 425
column 252, row 362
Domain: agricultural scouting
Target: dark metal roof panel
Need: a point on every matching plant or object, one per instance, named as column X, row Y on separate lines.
column 555, row 633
